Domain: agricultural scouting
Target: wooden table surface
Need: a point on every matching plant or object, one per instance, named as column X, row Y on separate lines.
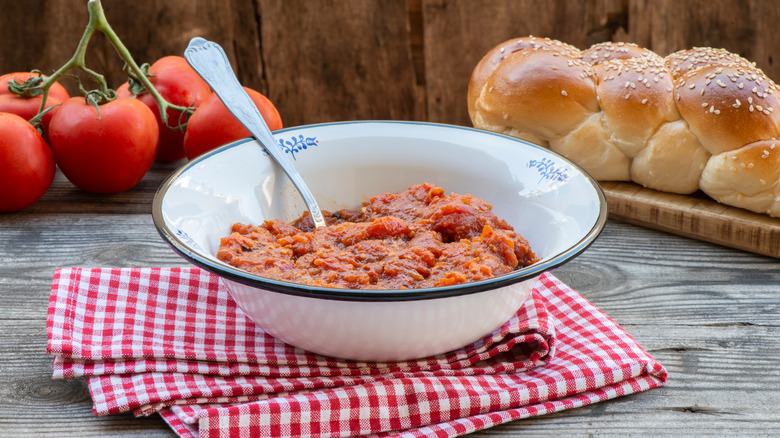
column 709, row 314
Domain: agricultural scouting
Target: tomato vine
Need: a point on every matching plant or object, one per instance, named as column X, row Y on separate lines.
column 39, row 85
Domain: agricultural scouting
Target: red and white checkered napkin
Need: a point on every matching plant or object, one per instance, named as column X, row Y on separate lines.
column 170, row 340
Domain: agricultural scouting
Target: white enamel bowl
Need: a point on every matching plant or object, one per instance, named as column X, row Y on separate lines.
column 549, row 200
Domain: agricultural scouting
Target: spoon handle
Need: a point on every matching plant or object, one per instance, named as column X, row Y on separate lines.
column 209, row 60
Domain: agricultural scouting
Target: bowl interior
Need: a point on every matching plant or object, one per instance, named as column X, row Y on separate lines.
column 549, row 200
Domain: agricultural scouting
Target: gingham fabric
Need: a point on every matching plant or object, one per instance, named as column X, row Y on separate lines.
column 170, row 340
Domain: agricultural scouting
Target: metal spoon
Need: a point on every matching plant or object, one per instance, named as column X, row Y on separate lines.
column 210, row 62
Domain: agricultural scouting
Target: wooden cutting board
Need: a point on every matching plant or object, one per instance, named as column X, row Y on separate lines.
column 695, row 216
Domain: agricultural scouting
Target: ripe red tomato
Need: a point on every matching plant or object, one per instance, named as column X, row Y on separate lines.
column 109, row 153
column 27, row 107
column 26, row 164
column 180, row 85
column 212, row 125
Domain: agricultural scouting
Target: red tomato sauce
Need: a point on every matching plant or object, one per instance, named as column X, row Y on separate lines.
column 416, row 238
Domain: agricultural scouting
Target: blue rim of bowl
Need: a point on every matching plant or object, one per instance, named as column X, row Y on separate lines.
column 237, row 275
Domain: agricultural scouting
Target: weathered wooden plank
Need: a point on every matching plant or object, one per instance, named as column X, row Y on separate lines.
column 458, row 34
column 357, row 59
column 339, row 60
column 744, row 27
column 150, row 30
column 32, row 248
column 606, row 20
column 64, row 198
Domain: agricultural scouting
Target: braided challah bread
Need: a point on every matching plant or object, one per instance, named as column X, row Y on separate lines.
column 698, row 119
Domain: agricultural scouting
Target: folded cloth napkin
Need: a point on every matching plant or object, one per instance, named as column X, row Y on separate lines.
column 170, row 340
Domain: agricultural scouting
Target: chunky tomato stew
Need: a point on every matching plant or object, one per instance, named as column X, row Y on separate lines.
column 416, row 238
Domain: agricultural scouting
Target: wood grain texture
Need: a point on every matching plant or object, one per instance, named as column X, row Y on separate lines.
column 339, row 60
column 325, row 60
column 150, row 30
column 707, row 312
column 694, row 216
column 458, row 34
column 743, row 27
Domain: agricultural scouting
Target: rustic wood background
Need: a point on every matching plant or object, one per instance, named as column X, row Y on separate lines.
column 708, row 313
column 331, row 60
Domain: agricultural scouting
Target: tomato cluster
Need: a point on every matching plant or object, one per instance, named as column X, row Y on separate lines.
column 109, row 147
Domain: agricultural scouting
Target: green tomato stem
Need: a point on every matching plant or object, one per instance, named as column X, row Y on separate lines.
column 98, row 21
column 76, row 61
column 102, row 25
